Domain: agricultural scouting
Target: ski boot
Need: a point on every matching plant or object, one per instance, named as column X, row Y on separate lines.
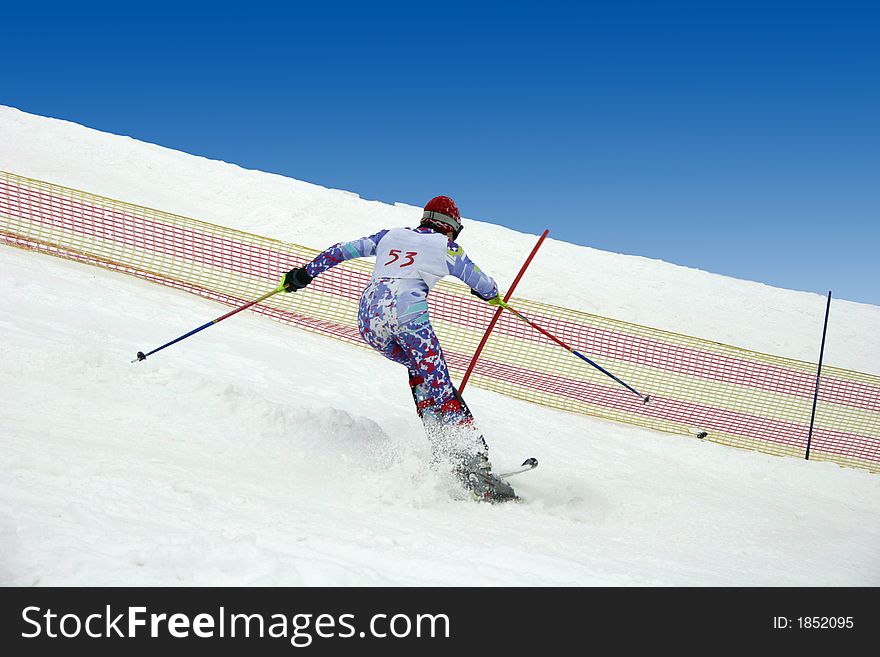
column 475, row 473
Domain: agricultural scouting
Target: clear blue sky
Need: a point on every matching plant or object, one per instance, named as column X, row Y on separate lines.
column 737, row 137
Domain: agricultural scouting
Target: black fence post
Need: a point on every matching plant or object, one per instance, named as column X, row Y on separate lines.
column 818, row 374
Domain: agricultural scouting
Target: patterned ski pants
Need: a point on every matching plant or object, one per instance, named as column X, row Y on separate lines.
column 414, row 344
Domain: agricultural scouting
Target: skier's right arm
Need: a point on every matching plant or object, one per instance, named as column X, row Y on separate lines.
column 464, row 269
column 298, row 278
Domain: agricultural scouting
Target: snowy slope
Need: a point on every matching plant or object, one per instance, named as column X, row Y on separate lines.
column 222, row 460
column 220, row 463
column 630, row 288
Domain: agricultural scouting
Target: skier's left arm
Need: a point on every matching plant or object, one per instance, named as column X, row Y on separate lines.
column 464, row 269
column 362, row 248
column 298, row 278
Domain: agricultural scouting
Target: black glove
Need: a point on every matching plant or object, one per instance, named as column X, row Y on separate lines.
column 296, row 279
column 494, row 301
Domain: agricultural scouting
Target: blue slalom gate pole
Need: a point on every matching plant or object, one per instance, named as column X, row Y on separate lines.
column 142, row 356
column 818, row 375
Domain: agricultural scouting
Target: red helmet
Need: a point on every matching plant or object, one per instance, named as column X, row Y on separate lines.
column 442, row 215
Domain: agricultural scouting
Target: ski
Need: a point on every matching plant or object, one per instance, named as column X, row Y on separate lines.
column 528, row 464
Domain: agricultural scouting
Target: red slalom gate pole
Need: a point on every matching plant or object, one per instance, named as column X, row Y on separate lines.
column 494, row 321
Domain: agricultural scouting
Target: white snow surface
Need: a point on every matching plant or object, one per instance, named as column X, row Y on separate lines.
column 253, row 453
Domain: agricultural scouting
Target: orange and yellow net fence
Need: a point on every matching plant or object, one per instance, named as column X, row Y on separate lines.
column 738, row 397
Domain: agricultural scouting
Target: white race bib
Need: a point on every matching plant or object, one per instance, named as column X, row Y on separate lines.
column 403, row 253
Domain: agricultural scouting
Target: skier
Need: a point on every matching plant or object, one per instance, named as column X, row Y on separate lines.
column 393, row 320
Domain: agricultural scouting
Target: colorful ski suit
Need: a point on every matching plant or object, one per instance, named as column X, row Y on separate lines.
column 393, row 314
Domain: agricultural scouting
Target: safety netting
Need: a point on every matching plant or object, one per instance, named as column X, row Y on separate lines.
column 734, row 396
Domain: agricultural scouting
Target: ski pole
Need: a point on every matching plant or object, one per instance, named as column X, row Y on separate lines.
column 141, row 355
column 506, row 306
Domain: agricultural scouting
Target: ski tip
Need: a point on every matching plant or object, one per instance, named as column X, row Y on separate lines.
column 531, row 462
